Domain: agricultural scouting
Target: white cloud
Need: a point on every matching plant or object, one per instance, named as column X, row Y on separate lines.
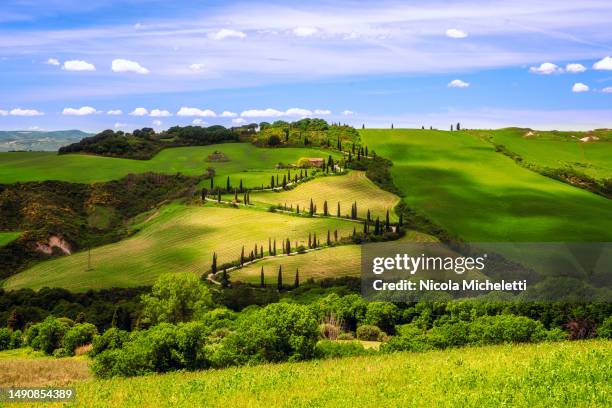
column 187, row 111
column 607, row 89
column 157, row 122
column 3, row 112
column 238, row 121
column 115, row 112
column 226, row 33
column 196, row 67
column 228, row 114
column 78, row 65
column 457, row 83
column 119, row 125
column 257, row 113
column 455, row 33
column 271, row 113
column 603, row 64
column 25, row 112
column 52, row 61
column 305, row 31
column 160, row 113
column 198, row 122
column 348, row 112
column 546, row 68
column 580, row 87
column 34, row 128
column 575, row 68
column 322, row 112
column 82, row 111
column 123, row 65
column 139, row 112
column 298, row 112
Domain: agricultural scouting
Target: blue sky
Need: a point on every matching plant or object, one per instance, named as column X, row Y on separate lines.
column 109, row 64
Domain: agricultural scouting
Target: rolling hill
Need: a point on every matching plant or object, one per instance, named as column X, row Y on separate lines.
column 24, row 140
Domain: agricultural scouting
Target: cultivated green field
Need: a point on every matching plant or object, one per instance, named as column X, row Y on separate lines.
column 8, row 237
column 570, row 374
column 460, row 182
column 344, row 260
column 178, row 239
column 559, row 149
column 347, row 189
column 253, row 164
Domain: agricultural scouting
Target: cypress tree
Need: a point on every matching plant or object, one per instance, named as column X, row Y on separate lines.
column 284, row 181
column 338, row 210
column 365, row 227
column 262, row 283
column 288, row 246
column 366, row 151
column 336, row 235
column 212, row 183
column 377, row 226
column 213, row 267
column 325, row 213
column 314, row 240
column 219, row 195
column 387, row 222
column 274, row 247
column 350, row 157
column 296, row 284
column 280, row 278
column 204, row 193
column 242, row 256
column 269, row 246
column 228, row 186
column 311, row 207
column 328, row 238
column 368, row 216
column 277, row 180
column 224, row 279
column 298, row 209
column 354, row 232
column 241, row 188
column 271, row 181
column 309, row 240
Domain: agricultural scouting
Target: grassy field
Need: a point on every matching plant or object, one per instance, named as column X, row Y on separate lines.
column 253, row 164
column 558, row 149
column 8, row 237
column 460, row 182
column 28, row 368
column 344, row 260
column 178, row 239
column 346, row 190
column 573, row 374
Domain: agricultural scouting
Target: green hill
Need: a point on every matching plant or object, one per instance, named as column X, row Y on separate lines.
column 463, row 184
column 243, row 160
column 178, row 239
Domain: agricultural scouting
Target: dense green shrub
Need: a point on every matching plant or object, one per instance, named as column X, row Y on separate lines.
column 78, row 335
column 161, row 348
column 505, row 329
column 47, row 335
column 368, row 332
column 382, row 314
column 111, row 339
column 605, row 329
column 278, row 332
column 16, row 339
column 176, row 298
column 5, row 339
column 338, row 349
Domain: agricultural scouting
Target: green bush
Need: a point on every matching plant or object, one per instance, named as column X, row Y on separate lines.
column 382, row 314
column 346, row 336
column 78, row 335
column 161, row 348
column 605, row 329
column 339, row 349
column 16, row 339
column 278, row 332
column 111, row 339
column 47, row 335
column 5, row 339
column 368, row 332
column 505, row 329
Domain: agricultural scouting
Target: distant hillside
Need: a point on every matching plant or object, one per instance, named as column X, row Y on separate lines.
column 38, row 140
